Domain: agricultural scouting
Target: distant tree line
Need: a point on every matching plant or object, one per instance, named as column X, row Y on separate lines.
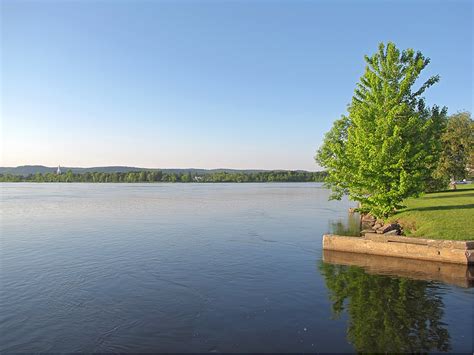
column 159, row 176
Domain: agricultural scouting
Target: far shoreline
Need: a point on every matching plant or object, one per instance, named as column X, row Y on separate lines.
column 163, row 182
column 152, row 176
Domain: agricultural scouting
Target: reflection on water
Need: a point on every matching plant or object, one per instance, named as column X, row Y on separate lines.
column 350, row 226
column 454, row 274
column 387, row 314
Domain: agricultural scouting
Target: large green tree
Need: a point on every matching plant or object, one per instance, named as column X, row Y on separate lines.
column 388, row 145
column 458, row 147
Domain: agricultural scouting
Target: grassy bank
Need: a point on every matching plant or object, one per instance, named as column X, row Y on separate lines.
column 441, row 215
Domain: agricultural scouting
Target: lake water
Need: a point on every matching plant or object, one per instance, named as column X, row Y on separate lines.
column 204, row 267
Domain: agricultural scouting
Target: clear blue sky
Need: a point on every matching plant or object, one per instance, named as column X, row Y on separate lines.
column 235, row 84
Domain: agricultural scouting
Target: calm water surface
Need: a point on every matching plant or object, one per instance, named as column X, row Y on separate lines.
column 203, row 267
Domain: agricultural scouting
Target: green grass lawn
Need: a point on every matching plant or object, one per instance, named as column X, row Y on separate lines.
column 441, row 215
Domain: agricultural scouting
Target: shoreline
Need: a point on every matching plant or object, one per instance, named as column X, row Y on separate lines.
column 162, row 182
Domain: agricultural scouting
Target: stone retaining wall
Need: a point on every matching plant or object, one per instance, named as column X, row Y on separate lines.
column 458, row 252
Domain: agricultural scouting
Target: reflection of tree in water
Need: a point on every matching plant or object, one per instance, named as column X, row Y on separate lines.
column 387, row 314
column 349, row 227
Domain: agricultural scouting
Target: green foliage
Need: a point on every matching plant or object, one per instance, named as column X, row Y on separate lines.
column 386, row 314
column 388, row 146
column 159, row 176
column 186, row 177
column 458, row 147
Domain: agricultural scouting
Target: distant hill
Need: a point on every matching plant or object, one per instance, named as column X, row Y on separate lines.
column 33, row 169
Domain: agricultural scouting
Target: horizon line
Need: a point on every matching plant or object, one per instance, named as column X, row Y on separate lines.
column 147, row 168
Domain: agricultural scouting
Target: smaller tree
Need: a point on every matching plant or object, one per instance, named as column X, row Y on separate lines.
column 69, row 176
column 458, row 147
column 186, row 177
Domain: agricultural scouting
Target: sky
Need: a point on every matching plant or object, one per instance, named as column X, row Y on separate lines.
column 205, row 84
